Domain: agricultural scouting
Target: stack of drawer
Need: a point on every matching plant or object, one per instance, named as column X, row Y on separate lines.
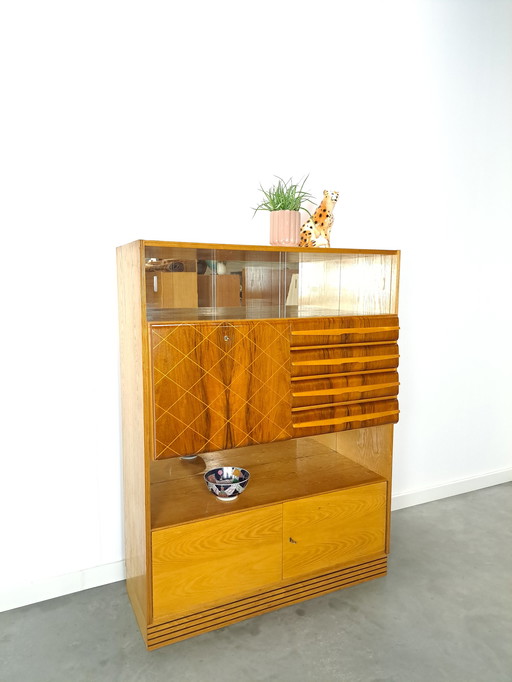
column 344, row 373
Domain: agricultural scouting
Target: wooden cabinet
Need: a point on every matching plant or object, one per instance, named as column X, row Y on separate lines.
column 289, row 372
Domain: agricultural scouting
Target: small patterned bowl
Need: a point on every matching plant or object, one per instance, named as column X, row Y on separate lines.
column 227, row 482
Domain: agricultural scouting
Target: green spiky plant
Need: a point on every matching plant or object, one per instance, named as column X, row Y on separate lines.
column 285, row 196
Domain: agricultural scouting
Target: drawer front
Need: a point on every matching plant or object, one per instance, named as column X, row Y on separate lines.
column 343, row 373
column 220, row 385
column 203, row 563
column 354, row 329
column 325, row 531
column 344, row 388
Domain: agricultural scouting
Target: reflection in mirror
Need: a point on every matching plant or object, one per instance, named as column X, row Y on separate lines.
column 194, row 283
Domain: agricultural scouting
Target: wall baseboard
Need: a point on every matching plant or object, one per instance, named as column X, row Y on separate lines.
column 457, row 487
column 58, row 586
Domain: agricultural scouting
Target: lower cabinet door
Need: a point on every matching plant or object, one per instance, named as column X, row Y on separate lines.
column 336, row 528
column 201, row 563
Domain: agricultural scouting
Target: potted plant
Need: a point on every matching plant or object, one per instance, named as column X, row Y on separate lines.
column 284, row 200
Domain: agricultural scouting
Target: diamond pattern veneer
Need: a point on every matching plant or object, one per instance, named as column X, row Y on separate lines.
column 220, row 386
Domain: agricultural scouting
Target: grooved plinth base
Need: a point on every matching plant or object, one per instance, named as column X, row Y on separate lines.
column 199, row 622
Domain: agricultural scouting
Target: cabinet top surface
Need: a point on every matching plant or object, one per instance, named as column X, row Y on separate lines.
column 245, row 247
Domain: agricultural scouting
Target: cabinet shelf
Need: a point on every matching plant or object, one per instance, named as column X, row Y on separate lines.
column 264, row 312
column 282, row 471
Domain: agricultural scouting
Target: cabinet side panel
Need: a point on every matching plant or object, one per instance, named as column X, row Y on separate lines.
column 395, row 286
column 373, row 449
column 132, row 407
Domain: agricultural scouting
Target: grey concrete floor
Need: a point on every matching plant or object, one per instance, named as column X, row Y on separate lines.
column 443, row 614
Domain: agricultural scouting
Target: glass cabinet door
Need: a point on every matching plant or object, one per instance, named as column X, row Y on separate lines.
column 206, row 283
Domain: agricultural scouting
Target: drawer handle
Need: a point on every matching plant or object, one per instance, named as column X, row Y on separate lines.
column 359, row 388
column 294, row 542
column 345, row 361
column 325, row 331
column 344, row 420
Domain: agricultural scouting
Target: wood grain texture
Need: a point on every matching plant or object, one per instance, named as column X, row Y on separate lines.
column 369, row 284
column 350, row 358
column 175, row 629
column 220, row 385
column 155, row 248
column 319, row 283
column 174, row 290
column 207, row 562
column 279, row 471
column 344, row 373
column 346, row 417
column 349, row 329
column 321, row 532
column 218, row 290
column 372, row 448
column 263, row 285
column 355, row 410
column 383, row 332
column 135, row 475
column 345, row 388
column 350, row 284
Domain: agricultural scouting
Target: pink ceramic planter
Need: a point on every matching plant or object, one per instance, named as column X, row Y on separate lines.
column 284, row 228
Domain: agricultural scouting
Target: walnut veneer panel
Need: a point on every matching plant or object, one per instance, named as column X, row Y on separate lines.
column 327, row 530
column 209, row 561
column 344, row 358
column 341, row 388
column 344, row 373
column 220, row 385
column 357, row 415
column 350, row 329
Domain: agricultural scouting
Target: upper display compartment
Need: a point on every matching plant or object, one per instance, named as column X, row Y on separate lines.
column 191, row 282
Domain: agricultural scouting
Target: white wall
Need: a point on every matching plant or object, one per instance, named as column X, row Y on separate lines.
column 159, row 120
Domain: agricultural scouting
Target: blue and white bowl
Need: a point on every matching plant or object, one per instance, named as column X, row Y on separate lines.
column 227, row 482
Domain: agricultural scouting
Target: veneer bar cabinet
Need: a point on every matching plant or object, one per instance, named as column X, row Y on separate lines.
column 282, row 361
